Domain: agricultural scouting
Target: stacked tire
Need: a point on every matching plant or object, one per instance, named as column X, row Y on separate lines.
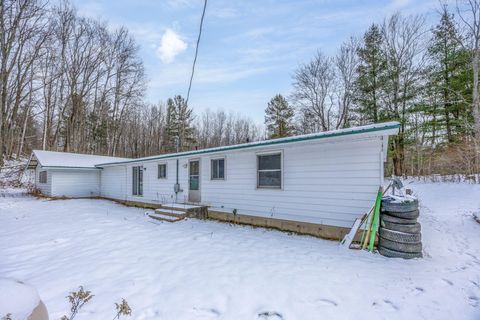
column 400, row 233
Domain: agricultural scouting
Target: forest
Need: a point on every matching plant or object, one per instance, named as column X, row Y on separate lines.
column 69, row 83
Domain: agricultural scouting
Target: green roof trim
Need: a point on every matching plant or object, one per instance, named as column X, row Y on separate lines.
column 323, row 135
column 67, row 167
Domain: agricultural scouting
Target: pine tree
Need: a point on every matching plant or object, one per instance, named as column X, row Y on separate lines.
column 179, row 125
column 370, row 78
column 449, row 78
column 279, row 118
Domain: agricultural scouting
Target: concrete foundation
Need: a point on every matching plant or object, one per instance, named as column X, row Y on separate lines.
column 317, row 230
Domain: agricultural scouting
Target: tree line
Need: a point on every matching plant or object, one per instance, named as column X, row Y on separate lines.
column 70, row 83
column 74, row 84
column 424, row 77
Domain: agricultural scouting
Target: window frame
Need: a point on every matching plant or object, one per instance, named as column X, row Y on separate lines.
column 137, row 181
column 224, row 168
column 273, row 152
column 43, row 174
column 166, row 170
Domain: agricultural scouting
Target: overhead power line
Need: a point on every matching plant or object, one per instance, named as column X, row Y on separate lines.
column 196, row 51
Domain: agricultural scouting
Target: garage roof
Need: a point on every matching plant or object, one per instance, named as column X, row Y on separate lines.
column 53, row 159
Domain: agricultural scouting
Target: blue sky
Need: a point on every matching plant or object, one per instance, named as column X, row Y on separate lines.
column 249, row 49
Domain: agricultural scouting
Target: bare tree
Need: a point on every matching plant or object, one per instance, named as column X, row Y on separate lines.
column 346, row 62
column 313, row 89
column 21, row 40
column 469, row 13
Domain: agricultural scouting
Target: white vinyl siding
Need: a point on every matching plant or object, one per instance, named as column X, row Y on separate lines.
column 113, row 182
column 324, row 182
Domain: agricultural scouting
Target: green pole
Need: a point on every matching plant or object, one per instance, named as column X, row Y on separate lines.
column 376, row 218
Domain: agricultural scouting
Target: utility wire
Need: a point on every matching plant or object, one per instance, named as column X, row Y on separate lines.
column 196, row 52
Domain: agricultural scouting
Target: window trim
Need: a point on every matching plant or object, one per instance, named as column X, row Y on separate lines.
column 43, row 172
column 224, row 168
column 166, row 170
column 139, row 186
column 273, row 152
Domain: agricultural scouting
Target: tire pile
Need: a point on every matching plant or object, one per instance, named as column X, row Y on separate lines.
column 400, row 233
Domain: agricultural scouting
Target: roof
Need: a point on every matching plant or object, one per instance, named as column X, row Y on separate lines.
column 386, row 128
column 53, row 159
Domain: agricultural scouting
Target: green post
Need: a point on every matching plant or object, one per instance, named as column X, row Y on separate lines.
column 376, row 218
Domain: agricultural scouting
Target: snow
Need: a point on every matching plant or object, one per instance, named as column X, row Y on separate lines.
column 75, row 160
column 196, row 269
column 17, row 298
column 400, row 199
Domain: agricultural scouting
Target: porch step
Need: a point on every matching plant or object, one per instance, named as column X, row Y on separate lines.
column 172, row 212
column 165, row 217
column 178, row 211
column 192, row 210
column 180, row 207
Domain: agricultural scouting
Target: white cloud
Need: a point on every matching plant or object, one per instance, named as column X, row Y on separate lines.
column 171, row 45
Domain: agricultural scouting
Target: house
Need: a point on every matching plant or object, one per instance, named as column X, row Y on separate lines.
column 316, row 183
column 63, row 174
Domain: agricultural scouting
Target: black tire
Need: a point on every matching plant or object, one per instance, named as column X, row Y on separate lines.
column 407, row 228
column 388, row 218
column 398, row 254
column 398, row 236
column 404, row 215
column 399, row 246
column 390, row 204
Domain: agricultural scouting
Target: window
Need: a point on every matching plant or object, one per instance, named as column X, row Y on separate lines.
column 162, row 171
column 137, row 181
column 269, row 168
column 42, row 177
column 218, row 169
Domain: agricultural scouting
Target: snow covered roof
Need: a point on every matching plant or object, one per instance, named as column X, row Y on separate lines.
column 386, row 128
column 70, row 160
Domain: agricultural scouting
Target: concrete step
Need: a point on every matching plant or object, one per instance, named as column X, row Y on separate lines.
column 180, row 207
column 172, row 212
column 163, row 217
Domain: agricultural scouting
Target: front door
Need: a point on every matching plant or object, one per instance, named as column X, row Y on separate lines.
column 194, row 181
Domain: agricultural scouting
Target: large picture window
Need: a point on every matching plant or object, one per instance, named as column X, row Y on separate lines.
column 42, row 177
column 269, row 170
column 162, row 171
column 218, row 169
column 137, row 180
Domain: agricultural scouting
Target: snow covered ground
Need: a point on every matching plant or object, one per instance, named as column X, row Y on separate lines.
column 209, row 270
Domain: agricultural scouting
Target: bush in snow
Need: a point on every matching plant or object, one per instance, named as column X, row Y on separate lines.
column 79, row 298
column 122, row 309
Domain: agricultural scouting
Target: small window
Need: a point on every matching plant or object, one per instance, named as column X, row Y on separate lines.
column 162, row 171
column 42, row 177
column 218, row 169
column 137, row 181
column 269, row 168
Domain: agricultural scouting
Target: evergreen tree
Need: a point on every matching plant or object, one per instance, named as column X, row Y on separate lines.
column 370, row 72
column 449, row 78
column 279, row 118
column 179, row 125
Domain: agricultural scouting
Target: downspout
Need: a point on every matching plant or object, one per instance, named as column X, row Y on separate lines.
column 177, row 186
